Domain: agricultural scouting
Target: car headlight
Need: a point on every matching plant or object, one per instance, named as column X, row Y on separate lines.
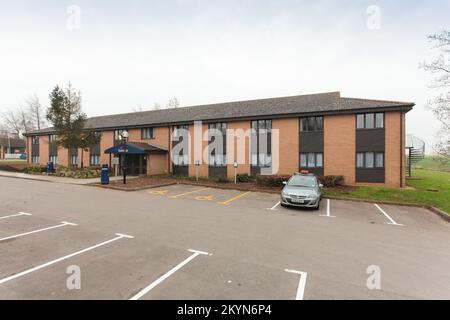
column 312, row 197
column 285, row 194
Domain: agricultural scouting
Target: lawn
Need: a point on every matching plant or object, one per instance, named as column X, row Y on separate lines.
column 435, row 163
column 422, row 182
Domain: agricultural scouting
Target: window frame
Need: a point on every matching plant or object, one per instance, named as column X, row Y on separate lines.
column 97, row 163
column 375, row 155
column 255, row 128
column 364, row 120
column 212, row 160
column 52, row 138
column 150, row 130
column 35, row 140
column 307, row 164
column 317, row 127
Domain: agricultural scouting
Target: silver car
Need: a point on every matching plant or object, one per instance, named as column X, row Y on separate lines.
column 302, row 190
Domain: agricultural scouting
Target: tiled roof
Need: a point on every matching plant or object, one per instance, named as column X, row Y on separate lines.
column 330, row 102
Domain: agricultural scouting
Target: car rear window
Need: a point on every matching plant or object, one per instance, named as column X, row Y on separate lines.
column 302, row 181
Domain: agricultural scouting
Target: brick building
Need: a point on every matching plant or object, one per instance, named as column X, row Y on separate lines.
column 327, row 134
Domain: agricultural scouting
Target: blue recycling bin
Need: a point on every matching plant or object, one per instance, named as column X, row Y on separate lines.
column 50, row 167
column 104, row 177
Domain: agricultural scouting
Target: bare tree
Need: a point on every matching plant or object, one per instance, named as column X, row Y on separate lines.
column 440, row 104
column 173, row 103
column 36, row 112
column 12, row 121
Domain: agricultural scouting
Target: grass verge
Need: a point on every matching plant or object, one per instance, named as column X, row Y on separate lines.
column 423, row 182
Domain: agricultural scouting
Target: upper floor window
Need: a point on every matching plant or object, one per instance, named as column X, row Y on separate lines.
column 35, row 140
column 311, row 124
column 221, row 126
column 52, row 138
column 370, row 121
column 262, row 125
column 147, row 133
column 118, row 134
column 176, row 132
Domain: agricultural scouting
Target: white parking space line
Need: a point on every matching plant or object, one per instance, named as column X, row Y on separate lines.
column 274, row 208
column 392, row 222
column 328, row 210
column 155, row 283
column 16, row 215
column 301, row 283
column 63, row 224
column 17, row 275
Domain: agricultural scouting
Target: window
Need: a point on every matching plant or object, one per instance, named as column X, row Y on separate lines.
column 180, row 160
column 118, row 134
column 311, row 124
column 52, row 138
column 54, row 159
column 360, row 160
column 218, row 159
column 176, row 130
column 379, row 120
column 370, row 121
column 147, row 133
column 311, row 160
column 73, row 160
column 261, row 129
column 94, row 160
column 379, row 160
column 370, row 160
column 35, row 159
column 35, row 140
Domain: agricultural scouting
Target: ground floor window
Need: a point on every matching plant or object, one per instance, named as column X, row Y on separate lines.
column 35, row 159
column 311, row 160
column 218, row 160
column 94, row 160
column 370, row 160
column 54, row 159
column 73, row 160
column 180, row 159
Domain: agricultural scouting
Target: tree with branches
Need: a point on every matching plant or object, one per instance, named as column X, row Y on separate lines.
column 440, row 104
column 68, row 119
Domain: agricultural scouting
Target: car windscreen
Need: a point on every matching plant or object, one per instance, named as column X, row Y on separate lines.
column 302, row 181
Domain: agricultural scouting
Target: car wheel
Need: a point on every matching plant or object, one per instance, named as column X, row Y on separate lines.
column 318, row 207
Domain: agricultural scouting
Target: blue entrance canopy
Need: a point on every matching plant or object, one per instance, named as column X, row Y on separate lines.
column 134, row 148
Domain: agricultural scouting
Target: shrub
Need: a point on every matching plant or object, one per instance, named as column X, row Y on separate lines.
column 35, row 169
column 332, row 181
column 271, row 181
column 243, row 177
column 222, row 180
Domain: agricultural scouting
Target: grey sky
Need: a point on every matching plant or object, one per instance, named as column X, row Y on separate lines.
column 130, row 54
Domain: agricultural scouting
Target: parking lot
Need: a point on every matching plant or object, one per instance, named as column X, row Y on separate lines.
column 190, row 242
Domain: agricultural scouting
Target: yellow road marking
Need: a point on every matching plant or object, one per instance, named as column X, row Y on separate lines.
column 186, row 193
column 204, row 198
column 159, row 192
column 235, row 198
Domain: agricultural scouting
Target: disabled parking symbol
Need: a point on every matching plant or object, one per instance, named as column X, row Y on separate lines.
column 159, row 192
column 205, row 198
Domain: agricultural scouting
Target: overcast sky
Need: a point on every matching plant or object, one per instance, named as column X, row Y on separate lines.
column 123, row 55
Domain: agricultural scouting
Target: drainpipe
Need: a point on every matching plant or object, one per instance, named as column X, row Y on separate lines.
column 402, row 151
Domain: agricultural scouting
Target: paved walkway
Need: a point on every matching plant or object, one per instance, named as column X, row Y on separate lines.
column 55, row 179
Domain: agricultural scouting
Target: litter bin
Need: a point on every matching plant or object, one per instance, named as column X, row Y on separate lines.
column 50, row 167
column 104, row 174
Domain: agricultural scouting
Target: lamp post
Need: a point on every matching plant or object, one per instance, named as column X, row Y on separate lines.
column 124, row 168
column 235, row 166
column 197, row 165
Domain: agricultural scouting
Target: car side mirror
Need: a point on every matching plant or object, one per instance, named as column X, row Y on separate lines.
column 284, row 182
column 321, row 186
